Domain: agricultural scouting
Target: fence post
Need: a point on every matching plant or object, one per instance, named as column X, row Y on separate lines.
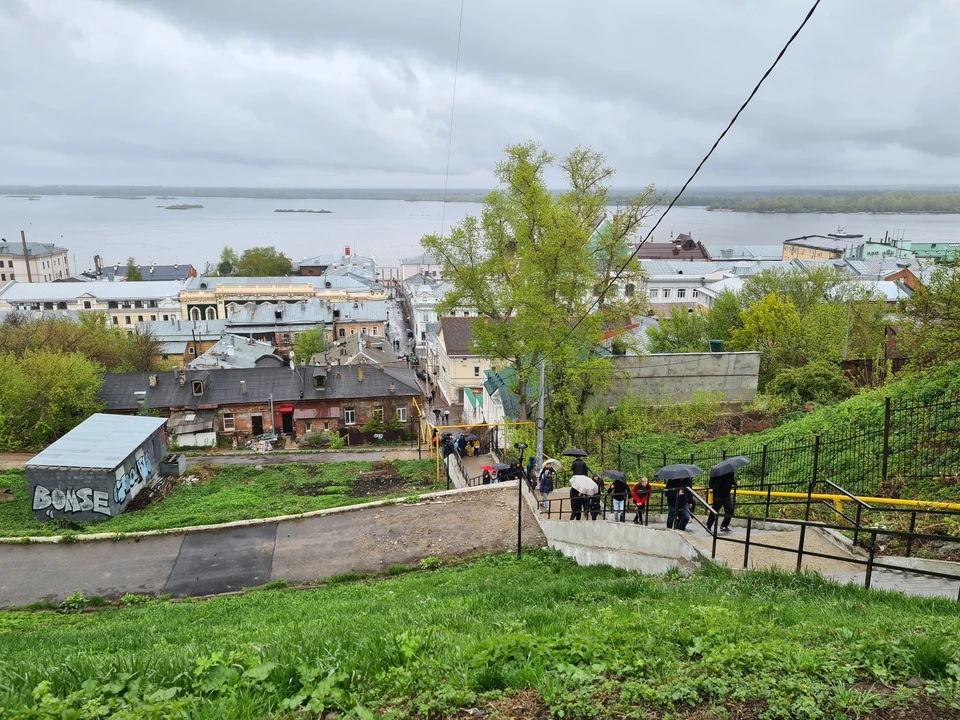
column 886, row 438
column 813, row 477
column 803, row 534
column 763, row 467
column 873, row 549
column 664, row 459
column 913, row 526
column 723, row 454
column 746, row 545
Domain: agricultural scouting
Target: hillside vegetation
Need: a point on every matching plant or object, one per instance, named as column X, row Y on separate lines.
column 539, row 637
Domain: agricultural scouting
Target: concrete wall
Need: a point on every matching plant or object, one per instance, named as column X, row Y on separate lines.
column 677, row 377
column 82, row 495
column 647, row 550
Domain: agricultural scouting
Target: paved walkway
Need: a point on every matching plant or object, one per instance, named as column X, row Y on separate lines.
column 365, row 540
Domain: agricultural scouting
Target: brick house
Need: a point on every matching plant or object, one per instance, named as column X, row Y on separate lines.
column 305, row 400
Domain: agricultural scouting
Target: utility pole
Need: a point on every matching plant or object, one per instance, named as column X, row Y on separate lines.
column 26, row 255
column 540, row 411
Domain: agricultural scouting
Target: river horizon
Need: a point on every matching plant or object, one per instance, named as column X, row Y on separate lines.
column 116, row 228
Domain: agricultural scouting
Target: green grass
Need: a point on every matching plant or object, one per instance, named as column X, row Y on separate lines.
column 588, row 641
column 233, row 492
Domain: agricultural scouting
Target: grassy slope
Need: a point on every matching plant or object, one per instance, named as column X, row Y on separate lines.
column 592, row 641
column 234, row 493
column 861, row 414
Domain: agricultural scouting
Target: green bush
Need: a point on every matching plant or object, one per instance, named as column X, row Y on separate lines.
column 817, row 381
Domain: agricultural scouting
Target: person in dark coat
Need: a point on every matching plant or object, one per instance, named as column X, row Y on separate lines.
column 580, row 467
column 576, row 504
column 618, row 492
column 722, row 487
column 487, row 479
column 671, row 492
column 546, row 487
column 593, row 501
column 685, row 503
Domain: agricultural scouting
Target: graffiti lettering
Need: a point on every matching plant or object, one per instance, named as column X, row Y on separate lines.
column 70, row 500
column 130, row 482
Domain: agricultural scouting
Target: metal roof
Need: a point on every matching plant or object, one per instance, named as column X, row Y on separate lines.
column 678, row 267
column 34, row 249
column 102, row 290
column 422, row 259
column 101, row 442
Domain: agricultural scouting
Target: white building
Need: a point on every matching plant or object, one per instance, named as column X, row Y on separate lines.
column 422, row 264
column 125, row 303
column 45, row 261
column 421, row 294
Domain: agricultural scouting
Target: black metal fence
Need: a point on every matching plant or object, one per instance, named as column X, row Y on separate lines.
column 913, row 441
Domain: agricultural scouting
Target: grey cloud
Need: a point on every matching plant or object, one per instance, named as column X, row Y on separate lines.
column 299, row 92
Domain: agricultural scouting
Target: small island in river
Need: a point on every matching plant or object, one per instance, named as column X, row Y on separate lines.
column 316, row 212
column 119, row 197
column 166, row 197
column 182, row 207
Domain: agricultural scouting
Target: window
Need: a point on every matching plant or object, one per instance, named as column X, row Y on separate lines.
column 363, row 331
column 681, row 293
column 476, row 371
column 61, row 306
column 112, row 305
column 86, row 304
column 139, row 318
column 116, row 321
column 152, row 303
column 126, row 319
column 211, row 313
column 48, row 306
column 307, row 426
column 378, row 414
column 153, row 317
column 166, row 317
column 654, row 292
column 195, row 314
column 9, row 263
column 197, row 386
column 342, row 333
column 191, row 350
column 402, row 413
column 138, row 304
column 349, row 416
column 666, row 293
column 374, row 330
column 13, row 276
column 3, row 276
column 228, row 425
column 630, row 290
column 695, row 293
column 326, row 425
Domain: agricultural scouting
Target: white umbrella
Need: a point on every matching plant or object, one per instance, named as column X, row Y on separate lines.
column 584, row 485
column 557, row 465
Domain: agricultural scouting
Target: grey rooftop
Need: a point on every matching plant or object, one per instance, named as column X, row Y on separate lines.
column 101, row 442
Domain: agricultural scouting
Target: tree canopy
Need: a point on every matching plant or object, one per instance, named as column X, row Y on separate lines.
column 133, row 271
column 228, row 261
column 535, row 261
column 309, row 343
column 930, row 318
column 261, row 262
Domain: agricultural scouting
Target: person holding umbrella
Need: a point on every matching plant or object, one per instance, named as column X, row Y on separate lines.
column 722, row 483
column 583, row 491
column 579, row 465
column 677, row 498
column 618, row 491
column 595, row 500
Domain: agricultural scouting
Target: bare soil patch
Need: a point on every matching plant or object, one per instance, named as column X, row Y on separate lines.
column 383, row 479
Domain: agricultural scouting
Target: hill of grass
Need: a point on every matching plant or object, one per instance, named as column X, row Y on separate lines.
column 236, row 492
column 532, row 638
column 924, row 442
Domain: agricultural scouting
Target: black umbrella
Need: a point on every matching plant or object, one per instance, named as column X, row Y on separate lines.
column 729, row 465
column 574, row 452
column 615, row 475
column 470, row 438
column 677, row 472
column 501, row 466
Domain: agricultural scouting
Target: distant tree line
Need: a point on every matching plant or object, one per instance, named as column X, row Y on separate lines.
column 891, row 202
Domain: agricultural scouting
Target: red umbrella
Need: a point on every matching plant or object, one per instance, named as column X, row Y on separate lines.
column 488, row 468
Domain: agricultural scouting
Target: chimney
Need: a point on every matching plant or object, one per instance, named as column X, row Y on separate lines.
column 393, row 387
column 176, row 372
column 243, row 387
column 346, row 251
column 151, row 269
column 359, row 373
column 153, row 380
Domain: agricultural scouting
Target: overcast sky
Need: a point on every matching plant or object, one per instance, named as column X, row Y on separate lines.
column 357, row 94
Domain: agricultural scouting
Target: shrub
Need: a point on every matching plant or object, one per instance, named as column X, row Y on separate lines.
column 816, row 381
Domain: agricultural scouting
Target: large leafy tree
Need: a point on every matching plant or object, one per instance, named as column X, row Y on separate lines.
column 773, row 327
column 534, row 262
column 263, row 262
column 44, row 395
column 683, row 331
column 930, row 318
column 309, row 343
column 228, row 261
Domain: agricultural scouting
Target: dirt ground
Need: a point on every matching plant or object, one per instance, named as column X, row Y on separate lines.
column 13, row 461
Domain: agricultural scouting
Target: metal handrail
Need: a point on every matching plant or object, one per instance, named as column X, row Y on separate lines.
column 848, row 494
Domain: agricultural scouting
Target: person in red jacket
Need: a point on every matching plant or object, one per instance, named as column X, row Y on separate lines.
column 641, row 496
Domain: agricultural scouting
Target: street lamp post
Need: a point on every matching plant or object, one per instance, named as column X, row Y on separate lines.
column 521, row 447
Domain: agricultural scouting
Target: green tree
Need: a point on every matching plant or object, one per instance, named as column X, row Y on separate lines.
column 929, row 332
column 532, row 264
column 263, row 262
column 44, row 395
column 773, row 327
column 725, row 316
column 133, row 270
column 682, row 332
column 817, row 381
column 228, row 261
column 309, row 343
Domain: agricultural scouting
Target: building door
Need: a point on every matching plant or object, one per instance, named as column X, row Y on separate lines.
column 257, row 421
column 287, row 418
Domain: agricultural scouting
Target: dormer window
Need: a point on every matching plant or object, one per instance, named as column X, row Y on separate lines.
column 197, row 387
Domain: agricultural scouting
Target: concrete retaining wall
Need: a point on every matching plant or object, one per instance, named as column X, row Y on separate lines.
column 677, row 377
column 647, row 550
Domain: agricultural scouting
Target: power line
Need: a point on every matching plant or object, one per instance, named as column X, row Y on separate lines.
column 706, row 157
column 453, row 106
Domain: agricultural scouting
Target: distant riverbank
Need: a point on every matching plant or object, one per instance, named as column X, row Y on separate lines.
column 313, row 212
column 893, row 203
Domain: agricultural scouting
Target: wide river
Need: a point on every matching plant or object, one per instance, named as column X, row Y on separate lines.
column 387, row 229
